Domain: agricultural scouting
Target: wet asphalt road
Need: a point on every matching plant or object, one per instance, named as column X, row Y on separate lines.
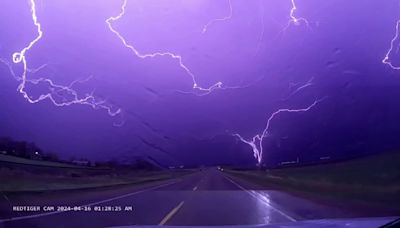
column 208, row 198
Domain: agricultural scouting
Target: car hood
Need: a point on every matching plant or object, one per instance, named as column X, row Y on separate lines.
column 331, row 223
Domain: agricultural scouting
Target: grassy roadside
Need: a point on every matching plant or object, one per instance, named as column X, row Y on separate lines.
column 372, row 180
column 26, row 161
column 11, row 182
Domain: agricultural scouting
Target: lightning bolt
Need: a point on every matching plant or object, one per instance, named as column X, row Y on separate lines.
column 56, row 90
column 228, row 17
column 203, row 91
column 243, row 86
column 300, row 88
column 293, row 19
column 10, row 68
column 256, row 143
column 261, row 37
column 386, row 59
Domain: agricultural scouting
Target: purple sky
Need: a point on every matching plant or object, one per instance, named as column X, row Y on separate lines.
column 251, row 53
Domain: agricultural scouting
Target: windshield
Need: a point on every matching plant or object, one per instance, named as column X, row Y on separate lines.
column 199, row 112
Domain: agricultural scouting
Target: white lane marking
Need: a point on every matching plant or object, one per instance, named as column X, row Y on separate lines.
column 86, row 205
column 195, row 188
column 171, row 213
column 258, row 197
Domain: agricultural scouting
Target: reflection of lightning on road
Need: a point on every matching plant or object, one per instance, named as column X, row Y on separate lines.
column 202, row 90
column 69, row 96
column 228, row 17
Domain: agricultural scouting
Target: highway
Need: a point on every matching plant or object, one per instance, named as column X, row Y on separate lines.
column 209, row 197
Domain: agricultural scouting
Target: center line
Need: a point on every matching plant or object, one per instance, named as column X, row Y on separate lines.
column 171, row 213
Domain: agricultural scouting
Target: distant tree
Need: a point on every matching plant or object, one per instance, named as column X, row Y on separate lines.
column 143, row 164
column 50, row 156
column 112, row 163
column 6, row 144
column 21, row 149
